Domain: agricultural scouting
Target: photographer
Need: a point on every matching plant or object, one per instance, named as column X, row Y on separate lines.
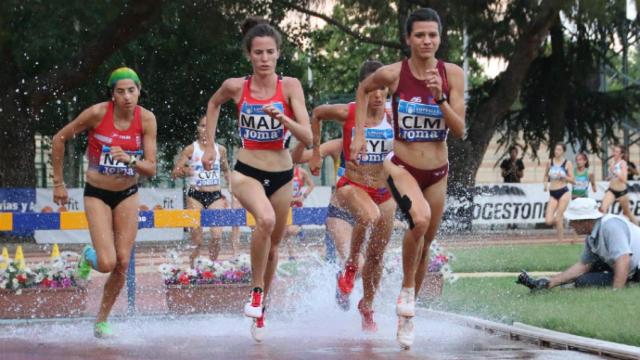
column 512, row 168
column 611, row 255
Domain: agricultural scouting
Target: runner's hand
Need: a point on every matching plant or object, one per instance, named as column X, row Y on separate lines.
column 315, row 163
column 60, row 195
column 275, row 113
column 120, row 155
column 208, row 157
column 434, row 83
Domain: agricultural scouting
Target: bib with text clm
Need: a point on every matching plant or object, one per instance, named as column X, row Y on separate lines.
column 420, row 122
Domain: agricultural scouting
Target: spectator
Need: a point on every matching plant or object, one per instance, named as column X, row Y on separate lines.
column 608, row 248
column 512, row 168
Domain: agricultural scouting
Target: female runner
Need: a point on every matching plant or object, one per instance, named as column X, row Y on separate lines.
column 427, row 101
column 269, row 106
column 204, row 187
column 120, row 132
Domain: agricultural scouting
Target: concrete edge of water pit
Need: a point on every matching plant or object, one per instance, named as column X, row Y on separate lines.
column 542, row 337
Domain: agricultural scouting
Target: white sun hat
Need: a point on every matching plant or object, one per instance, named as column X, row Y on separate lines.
column 583, row 209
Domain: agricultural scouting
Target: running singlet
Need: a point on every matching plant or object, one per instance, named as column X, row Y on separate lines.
column 616, row 169
column 581, row 187
column 258, row 131
column 557, row 172
column 202, row 177
column 378, row 139
column 105, row 136
column 297, row 182
column 416, row 116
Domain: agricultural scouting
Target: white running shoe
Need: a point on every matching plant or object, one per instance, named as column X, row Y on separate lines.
column 258, row 329
column 406, row 305
column 253, row 308
column 405, row 335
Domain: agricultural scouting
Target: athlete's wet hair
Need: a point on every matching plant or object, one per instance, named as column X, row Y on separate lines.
column 257, row 27
column 368, row 68
column 423, row 14
column 586, row 159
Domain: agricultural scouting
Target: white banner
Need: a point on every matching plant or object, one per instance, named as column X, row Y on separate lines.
column 526, row 203
column 149, row 199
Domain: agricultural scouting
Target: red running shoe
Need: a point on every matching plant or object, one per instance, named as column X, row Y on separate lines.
column 253, row 308
column 347, row 278
column 368, row 324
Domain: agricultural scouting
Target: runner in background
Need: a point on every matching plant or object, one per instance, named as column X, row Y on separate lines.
column 300, row 179
column 204, row 187
column 583, row 177
column 121, row 147
column 361, row 191
column 618, row 187
column 558, row 174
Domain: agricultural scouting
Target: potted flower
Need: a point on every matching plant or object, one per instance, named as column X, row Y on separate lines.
column 211, row 286
column 46, row 290
column 438, row 270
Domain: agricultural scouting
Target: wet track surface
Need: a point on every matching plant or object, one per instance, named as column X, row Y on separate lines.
column 227, row 337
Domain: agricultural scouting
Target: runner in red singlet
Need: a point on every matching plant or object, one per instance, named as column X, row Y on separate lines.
column 269, row 107
column 122, row 146
column 362, row 191
column 428, row 101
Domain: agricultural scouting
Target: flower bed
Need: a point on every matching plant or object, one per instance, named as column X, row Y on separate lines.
column 47, row 290
column 220, row 286
column 438, row 270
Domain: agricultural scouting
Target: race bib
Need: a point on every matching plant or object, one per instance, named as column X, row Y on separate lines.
column 110, row 166
column 420, row 122
column 379, row 143
column 256, row 125
column 207, row 177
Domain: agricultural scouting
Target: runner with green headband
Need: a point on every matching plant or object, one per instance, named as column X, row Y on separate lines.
column 121, row 146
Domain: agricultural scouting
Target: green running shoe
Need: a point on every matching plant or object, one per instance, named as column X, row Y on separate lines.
column 84, row 268
column 102, row 330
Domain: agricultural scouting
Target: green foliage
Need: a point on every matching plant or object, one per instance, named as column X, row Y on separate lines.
column 598, row 313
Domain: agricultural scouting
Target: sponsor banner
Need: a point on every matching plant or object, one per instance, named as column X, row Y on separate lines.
column 527, row 203
column 149, row 199
column 18, row 200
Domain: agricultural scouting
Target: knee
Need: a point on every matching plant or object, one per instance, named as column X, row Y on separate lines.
column 421, row 223
column 550, row 220
column 368, row 218
column 106, row 265
column 266, row 223
column 122, row 267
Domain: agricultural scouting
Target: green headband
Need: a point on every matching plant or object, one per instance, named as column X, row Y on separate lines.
column 121, row 74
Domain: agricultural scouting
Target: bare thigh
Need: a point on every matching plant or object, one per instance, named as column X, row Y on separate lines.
column 100, row 219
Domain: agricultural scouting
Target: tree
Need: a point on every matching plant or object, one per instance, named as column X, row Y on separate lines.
column 182, row 51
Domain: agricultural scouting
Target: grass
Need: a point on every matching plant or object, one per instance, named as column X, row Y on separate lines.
column 513, row 258
column 598, row 313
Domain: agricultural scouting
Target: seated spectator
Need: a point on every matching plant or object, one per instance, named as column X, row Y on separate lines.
column 611, row 253
column 512, row 168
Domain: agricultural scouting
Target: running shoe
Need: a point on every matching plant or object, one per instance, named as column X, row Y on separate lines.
column 531, row 283
column 368, row 324
column 347, row 278
column 258, row 329
column 102, row 330
column 406, row 305
column 405, row 332
column 84, row 268
column 341, row 299
column 253, row 308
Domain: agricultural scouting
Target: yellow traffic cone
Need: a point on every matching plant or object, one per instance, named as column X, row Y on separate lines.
column 19, row 260
column 55, row 252
column 5, row 258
